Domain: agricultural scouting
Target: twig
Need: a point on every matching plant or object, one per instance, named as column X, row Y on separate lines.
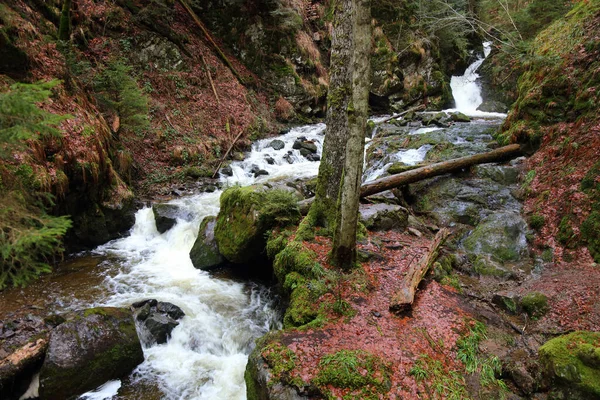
column 212, row 84
column 227, row 153
column 211, row 41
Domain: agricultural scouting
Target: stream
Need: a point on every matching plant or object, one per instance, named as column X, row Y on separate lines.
column 207, row 353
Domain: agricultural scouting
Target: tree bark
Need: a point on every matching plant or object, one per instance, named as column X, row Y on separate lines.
column 64, row 27
column 343, row 253
column 403, row 299
column 444, row 167
column 323, row 209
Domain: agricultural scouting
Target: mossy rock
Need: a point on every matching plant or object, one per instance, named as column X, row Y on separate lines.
column 246, row 215
column 94, row 346
column 535, row 304
column 570, row 363
column 500, row 235
column 165, row 216
column 399, row 167
column 205, row 252
column 459, row 117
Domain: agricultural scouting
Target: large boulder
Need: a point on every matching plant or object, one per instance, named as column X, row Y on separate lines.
column 571, row 364
column 246, row 215
column 383, row 217
column 205, row 252
column 94, row 346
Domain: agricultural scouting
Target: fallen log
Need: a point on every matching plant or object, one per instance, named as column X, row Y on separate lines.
column 417, row 108
column 441, row 168
column 428, row 171
column 211, row 41
column 403, row 299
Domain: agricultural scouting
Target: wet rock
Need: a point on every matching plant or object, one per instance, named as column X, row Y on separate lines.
column 459, row 117
column 277, row 144
column 563, row 367
column 289, row 158
column 226, row 171
column 517, row 368
column 308, row 145
column 493, row 106
column 313, row 157
column 165, row 216
column 500, row 235
column 157, row 320
column 92, row 347
column 210, row 188
column 508, row 301
column 383, row 217
column 504, row 175
column 269, row 160
column 261, row 172
column 205, row 252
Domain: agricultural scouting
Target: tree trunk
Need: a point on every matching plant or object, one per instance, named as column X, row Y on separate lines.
column 402, row 300
column 64, row 27
column 323, row 209
column 444, row 167
column 343, row 253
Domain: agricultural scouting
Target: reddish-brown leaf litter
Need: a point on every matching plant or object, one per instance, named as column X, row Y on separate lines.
column 437, row 319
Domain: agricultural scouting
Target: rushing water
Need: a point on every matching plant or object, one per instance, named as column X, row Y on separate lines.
column 207, row 353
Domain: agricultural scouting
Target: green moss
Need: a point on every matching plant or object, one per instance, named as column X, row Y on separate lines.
column 535, row 304
column 295, row 258
column 590, row 233
column 301, row 310
column 365, row 375
column 537, row 221
column 399, row 167
column 245, row 217
column 566, row 236
column 562, row 362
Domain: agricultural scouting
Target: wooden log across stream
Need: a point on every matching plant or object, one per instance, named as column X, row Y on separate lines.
column 440, row 168
column 429, row 171
column 402, row 300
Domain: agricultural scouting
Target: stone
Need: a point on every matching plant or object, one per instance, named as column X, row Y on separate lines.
column 247, row 214
column 500, row 235
column 270, row 160
column 508, row 301
column 94, row 346
column 459, row 117
column 277, row 144
column 226, row 171
column 165, row 216
column 383, row 217
column 261, row 172
column 205, row 252
column 157, row 320
column 17, row 367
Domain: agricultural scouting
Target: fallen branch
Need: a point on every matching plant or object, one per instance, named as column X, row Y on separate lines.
column 214, row 175
column 441, row 168
column 402, row 113
column 211, row 41
column 403, row 299
column 212, row 84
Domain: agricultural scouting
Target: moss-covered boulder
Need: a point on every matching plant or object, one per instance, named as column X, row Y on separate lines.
column 535, row 304
column 92, row 347
column 246, row 215
column 459, row 117
column 571, row 363
column 205, row 252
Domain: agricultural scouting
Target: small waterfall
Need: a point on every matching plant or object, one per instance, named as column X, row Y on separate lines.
column 467, row 92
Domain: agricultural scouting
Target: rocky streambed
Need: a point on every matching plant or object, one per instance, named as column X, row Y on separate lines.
column 475, row 329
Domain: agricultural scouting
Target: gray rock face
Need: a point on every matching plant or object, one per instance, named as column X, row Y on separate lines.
column 92, row 347
column 205, row 252
column 383, row 217
column 157, row 320
column 157, row 51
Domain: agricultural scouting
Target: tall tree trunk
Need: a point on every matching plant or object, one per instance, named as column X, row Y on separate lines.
column 344, row 240
column 64, row 27
column 323, row 209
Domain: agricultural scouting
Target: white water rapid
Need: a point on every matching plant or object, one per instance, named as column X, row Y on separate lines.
column 207, row 353
column 467, row 92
